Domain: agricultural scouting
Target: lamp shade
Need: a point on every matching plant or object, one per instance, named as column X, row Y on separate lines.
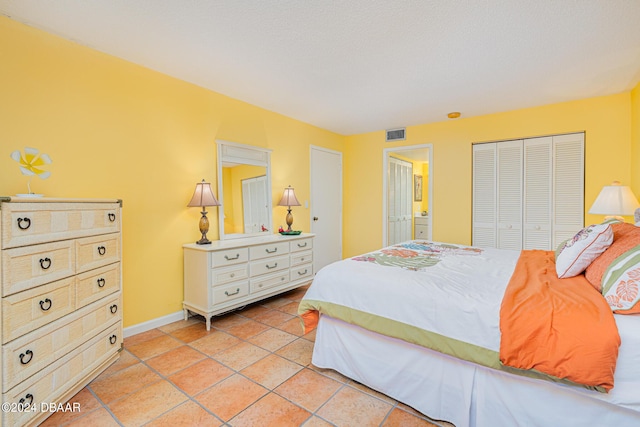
column 615, row 199
column 203, row 196
column 289, row 198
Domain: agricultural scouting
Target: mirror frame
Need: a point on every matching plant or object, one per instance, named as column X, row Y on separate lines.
column 233, row 152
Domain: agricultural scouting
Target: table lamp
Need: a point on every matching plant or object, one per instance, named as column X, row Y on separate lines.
column 615, row 200
column 203, row 197
column 288, row 200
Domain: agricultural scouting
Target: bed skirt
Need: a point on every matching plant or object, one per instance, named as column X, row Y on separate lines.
column 449, row 389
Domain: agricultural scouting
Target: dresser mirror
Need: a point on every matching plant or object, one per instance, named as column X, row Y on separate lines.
column 244, row 190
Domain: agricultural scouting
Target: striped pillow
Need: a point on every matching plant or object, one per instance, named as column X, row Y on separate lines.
column 625, row 237
column 621, row 281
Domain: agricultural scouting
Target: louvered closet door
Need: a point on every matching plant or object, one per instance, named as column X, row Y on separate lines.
column 484, row 195
column 537, row 203
column 399, row 201
column 509, row 194
column 568, row 186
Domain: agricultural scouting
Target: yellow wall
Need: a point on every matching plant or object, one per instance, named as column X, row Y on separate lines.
column 118, row 130
column 635, row 140
column 606, row 121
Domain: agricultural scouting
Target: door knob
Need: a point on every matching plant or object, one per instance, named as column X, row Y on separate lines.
column 315, row 218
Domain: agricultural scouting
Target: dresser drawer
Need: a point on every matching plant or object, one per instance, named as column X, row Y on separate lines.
column 34, row 351
column 25, row 311
column 270, row 281
column 301, row 244
column 27, row 223
column 93, row 252
column 95, row 284
column 229, row 257
column 298, row 258
column 229, row 274
column 50, row 384
column 31, row 266
column 268, row 265
column 302, row 271
column 268, row 250
column 230, row 292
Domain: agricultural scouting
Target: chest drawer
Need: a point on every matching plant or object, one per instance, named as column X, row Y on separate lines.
column 303, row 257
column 34, row 223
column 48, row 385
column 230, row 292
column 96, row 251
column 95, row 284
column 229, row 257
column 229, row 274
column 34, row 351
column 302, row 271
column 270, row 281
column 268, row 265
column 25, row 311
column 301, row 245
column 28, row 267
column 268, row 250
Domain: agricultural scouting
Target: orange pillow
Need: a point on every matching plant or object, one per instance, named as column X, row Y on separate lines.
column 625, row 237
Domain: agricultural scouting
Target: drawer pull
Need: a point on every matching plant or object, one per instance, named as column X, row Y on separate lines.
column 302, row 259
column 271, row 252
column 231, row 258
column 24, row 355
column 101, row 282
column 271, row 266
column 113, row 339
column 102, row 250
column 300, row 245
column 23, row 401
column 232, row 275
column 113, row 309
column 302, row 273
column 45, row 263
column 232, row 293
column 112, row 216
column 47, row 302
column 27, row 221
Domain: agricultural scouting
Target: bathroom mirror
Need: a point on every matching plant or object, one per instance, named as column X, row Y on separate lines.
column 244, row 190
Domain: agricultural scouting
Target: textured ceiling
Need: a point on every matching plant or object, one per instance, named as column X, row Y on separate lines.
column 354, row 66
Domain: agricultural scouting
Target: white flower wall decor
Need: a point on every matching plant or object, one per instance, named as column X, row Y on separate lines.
column 31, row 162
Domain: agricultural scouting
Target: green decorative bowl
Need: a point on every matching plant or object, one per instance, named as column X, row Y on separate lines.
column 290, row 233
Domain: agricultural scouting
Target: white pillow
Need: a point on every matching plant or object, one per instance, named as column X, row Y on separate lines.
column 577, row 253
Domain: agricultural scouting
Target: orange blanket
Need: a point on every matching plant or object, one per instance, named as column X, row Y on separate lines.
column 560, row 327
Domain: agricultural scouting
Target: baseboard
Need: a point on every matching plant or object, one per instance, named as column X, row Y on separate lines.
column 152, row 324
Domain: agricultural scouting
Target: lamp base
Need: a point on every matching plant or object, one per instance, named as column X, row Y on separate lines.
column 203, row 241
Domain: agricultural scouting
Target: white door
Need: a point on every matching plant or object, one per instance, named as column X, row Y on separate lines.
column 568, row 186
column 537, row 202
column 326, row 206
column 509, row 194
column 399, row 198
column 254, row 204
column 484, row 195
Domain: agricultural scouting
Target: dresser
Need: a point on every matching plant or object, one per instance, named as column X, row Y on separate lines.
column 228, row 274
column 421, row 227
column 61, row 307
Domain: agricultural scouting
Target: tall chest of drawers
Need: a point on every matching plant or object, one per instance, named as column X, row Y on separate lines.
column 61, row 309
column 228, row 274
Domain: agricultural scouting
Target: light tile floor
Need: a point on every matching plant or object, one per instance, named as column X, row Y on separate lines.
column 252, row 369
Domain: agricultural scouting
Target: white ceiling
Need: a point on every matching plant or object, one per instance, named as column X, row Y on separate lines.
column 354, row 66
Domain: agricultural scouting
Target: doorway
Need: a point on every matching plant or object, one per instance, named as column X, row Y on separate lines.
column 419, row 191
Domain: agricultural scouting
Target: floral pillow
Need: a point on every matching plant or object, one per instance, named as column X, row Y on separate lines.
column 621, row 281
column 575, row 255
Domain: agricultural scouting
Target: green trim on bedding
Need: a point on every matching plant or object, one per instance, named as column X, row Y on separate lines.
column 434, row 341
column 403, row 331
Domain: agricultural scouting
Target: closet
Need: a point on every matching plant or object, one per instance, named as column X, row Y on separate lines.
column 528, row 193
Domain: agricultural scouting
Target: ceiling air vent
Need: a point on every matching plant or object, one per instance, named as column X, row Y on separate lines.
column 396, row 134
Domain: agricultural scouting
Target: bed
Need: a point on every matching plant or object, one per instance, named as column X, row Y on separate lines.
column 421, row 322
